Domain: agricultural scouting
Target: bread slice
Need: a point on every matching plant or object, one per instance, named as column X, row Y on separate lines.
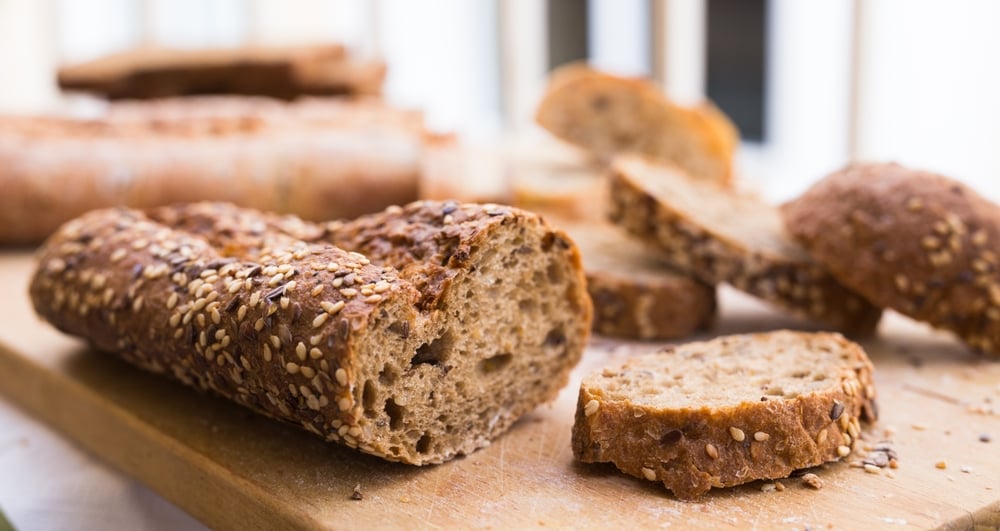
column 284, row 72
column 609, row 115
column 635, row 294
column 917, row 242
column 718, row 235
column 728, row 411
column 422, row 349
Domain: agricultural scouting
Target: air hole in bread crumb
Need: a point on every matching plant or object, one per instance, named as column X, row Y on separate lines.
column 424, row 444
column 495, row 363
column 395, row 413
column 526, row 305
column 555, row 273
column 434, row 352
column 368, row 398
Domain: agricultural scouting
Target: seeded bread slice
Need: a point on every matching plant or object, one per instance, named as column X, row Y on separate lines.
column 910, row 240
column 635, row 294
column 727, row 411
column 609, row 115
column 718, row 235
column 460, row 319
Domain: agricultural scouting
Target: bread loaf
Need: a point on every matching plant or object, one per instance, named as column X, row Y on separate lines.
column 277, row 71
column 636, row 295
column 455, row 320
column 727, row 411
column 317, row 159
column 609, row 115
column 919, row 243
column 718, row 235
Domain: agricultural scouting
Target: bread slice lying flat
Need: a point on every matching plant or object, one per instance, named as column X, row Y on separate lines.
column 455, row 320
column 635, row 294
column 728, row 411
column 719, row 235
column 609, row 115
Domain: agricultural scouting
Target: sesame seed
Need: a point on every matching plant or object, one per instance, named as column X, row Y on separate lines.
column 872, row 469
column 711, row 451
column 175, row 320
column 332, row 308
column 187, row 317
column 201, row 320
column 843, row 451
column 216, row 316
column 591, row 407
column 314, row 340
column 768, row 487
column 267, row 352
column 300, row 351
column 930, row 242
column 649, row 473
column 373, row 299
column 737, row 434
column 367, row 292
column 308, row 372
column 290, row 285
column 914, row 204
column 320, row 319
column 980, row 265
column 902, row 283
column 338, row 282
column 234, row 287
column 284, row 302
column 317, row 290
column 172, row 301
column 276, row 342
column 341, row 376
column 761, row 436
column 241, row 312
column 254, row 298
column 315, row 353
column 292, row 367
column 941, row 465
column 258, row 325
column 979, row 238
column 276, row 279
column 344, row 404
column 118, row 255
column 381, row 287
column 349, row 292
column 219, row 334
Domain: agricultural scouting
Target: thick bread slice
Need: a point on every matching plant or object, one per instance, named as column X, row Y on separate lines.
column 460, row 319
column 718, row 235
column 276, row 71
column 635, row 294
column 316, row 159
column 910, row 240
column 609, row 115
column 727, row 411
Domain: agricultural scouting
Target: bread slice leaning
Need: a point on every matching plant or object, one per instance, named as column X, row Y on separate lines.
column 610, row 115
column 728, row 411
column 455, row 321
column 719, row 235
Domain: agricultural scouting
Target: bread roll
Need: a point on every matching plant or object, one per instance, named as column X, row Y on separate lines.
column 452, row 322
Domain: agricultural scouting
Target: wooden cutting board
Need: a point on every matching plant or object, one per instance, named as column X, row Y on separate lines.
column 234, row 470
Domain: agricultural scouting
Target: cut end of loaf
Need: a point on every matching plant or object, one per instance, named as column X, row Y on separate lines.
column 728, row 411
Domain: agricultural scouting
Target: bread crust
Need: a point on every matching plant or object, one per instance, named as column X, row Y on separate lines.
column 671, row 445
column 319, row 160
column 610, row 115
column 914, row 241
column 263, row 310
column 790, row 279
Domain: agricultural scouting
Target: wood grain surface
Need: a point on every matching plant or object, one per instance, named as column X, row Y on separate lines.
column 234, row 470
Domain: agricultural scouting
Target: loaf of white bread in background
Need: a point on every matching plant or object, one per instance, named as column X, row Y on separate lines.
column 318, row 159
column 417, row 334
column 728, row 411
column 609, row 115
column 636, row 295
column 284, row 72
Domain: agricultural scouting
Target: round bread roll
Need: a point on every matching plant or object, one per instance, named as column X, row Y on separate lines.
column 914, row 241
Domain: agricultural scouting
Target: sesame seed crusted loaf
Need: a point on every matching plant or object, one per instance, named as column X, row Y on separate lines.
column 719, row 235
column 609, row 115
column 459, row 319
column 635, row 294
column 316, row 159
column 910, row 240
column 728, row 411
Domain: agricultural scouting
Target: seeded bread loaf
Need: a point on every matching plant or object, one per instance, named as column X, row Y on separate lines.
column 456, row 321
column 719, row 235
column 727, row 411
column 635, row 294
column 276, row 71
column 317, row 159
column 609, row 115
column 910, row 240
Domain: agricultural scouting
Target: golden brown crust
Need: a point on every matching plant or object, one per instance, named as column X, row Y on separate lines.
column 278, row 72
column 691, row 450
column 610, row 115
column 910, row 240
column 784, row 276
column 317, row 159
column 265, row 311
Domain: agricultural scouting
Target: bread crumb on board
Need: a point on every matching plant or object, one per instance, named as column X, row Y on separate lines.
column 356, row 493
column 812, row 480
